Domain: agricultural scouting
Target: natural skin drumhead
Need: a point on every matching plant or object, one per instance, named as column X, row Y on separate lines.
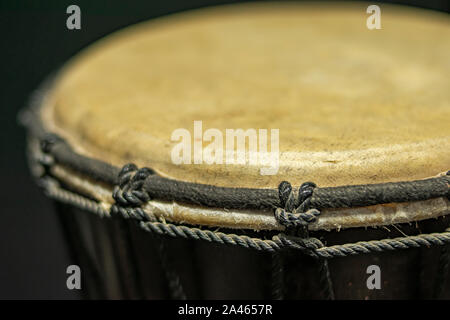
column 352, row 105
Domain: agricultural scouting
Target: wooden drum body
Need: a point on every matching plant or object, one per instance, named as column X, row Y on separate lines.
column 356, row 121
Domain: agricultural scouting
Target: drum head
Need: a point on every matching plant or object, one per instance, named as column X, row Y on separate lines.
column 352, row 105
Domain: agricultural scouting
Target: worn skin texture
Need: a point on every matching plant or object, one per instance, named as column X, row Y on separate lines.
column 353, row 105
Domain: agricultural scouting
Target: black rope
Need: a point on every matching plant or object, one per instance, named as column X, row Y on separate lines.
column 124, row 275
column 421, row 274
column 128, row 193
column 295, row 220
column 442, row 271
column 292, row 213
column 312, row 246
column 93, row 286
column 173, row 279
column 277, row 276
column 325, row 279
column 132, row 274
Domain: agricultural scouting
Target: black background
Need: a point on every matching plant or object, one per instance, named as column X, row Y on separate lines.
column 34, row 42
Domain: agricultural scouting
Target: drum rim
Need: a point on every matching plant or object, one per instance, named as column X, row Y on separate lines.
column 134, row 187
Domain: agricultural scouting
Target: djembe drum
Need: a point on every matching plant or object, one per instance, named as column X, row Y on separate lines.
column 360, row 177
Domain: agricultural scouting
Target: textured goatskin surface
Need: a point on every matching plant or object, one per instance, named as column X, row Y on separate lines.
column 353, row 105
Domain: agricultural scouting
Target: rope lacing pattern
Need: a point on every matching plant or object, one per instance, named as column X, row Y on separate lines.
column 128, row 194
column 278, row 242
column 129, row 197
column 46, row 143
column 295, row 213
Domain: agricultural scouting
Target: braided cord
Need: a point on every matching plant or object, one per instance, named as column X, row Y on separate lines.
column 423, row 240
column 311, row 246
column 325, row 280
column 277, row 276
column 442, row 272
column 185, row 232
column 276, row 243
column 174, row 282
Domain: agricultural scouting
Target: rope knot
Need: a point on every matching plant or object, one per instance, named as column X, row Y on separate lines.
column 295, row 211
column 297, row 219
column 44, row 157
column 308, row 246
column 128, row 194
column 48, row 141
